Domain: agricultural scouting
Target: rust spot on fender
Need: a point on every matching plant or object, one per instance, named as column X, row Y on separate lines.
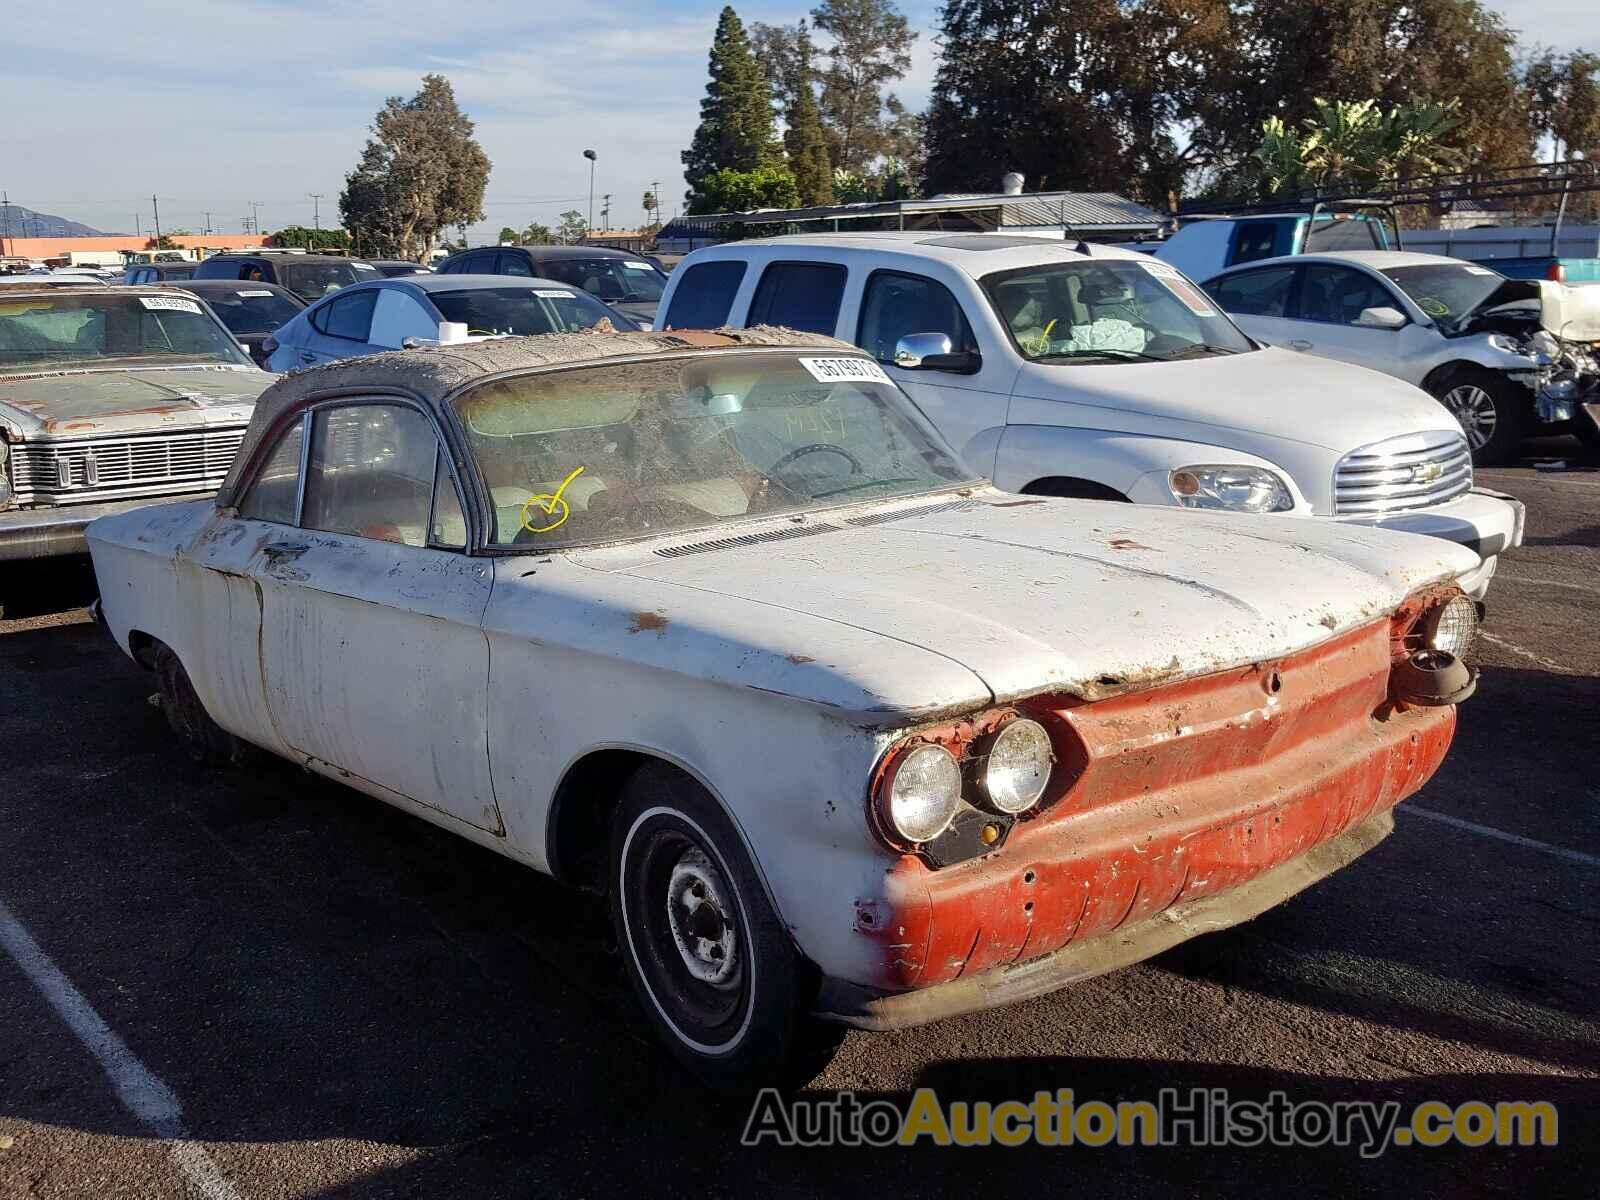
column 647, row 622
column 1126, row 544
column 800, row 659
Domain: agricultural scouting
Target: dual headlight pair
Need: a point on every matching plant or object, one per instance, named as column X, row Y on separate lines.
column 1233, row 487
column 923, row 789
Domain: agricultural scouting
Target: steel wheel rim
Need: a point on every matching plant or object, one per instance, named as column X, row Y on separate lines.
column 701, row 922
column 1473, row 408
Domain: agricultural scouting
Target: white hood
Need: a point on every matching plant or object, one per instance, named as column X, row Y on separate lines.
column 1571, row 313
column 1273, row 394
column 1033, row 595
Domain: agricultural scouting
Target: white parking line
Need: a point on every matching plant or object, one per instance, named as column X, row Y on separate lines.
column 1500, row 835
column 141, row 1093
column 1527, row 654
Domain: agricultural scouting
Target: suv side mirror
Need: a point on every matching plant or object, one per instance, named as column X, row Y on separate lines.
column 1382, row 318
column 934, row 352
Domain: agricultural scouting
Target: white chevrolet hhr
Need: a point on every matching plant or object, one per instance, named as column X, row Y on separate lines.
column 1075, row 370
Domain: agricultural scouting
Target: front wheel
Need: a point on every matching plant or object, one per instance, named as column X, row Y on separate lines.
column 205, row 741
column 1492, row 411
column 712, row 966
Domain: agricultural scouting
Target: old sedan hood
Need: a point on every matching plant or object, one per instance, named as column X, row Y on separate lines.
column 1066, row 595
column 1269, row 392
column 110, row 402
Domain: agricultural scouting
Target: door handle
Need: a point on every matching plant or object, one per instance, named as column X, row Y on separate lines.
column 276, row 550
column 1299, row 344
column 307, row 357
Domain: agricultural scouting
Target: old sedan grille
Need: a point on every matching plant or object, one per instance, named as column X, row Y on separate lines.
column 106, row 468
column 1412, row 471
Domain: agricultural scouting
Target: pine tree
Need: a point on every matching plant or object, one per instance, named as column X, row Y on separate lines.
column 735, row 130
column 804, row 139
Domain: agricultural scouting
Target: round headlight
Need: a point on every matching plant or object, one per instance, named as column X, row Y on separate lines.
column 1451, row 626
column 924, row 793
column 1020, row 758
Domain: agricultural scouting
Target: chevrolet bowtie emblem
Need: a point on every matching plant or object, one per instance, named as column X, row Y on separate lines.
column 1426, row 472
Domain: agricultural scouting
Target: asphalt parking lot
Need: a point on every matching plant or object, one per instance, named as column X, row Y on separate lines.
column 313, row 995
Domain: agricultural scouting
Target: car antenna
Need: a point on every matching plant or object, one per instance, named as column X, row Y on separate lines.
column 1067, row 227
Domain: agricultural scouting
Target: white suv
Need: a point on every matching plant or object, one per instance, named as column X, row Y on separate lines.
column 1102, row 373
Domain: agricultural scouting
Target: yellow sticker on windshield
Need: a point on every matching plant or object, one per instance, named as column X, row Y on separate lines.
column 553, row 504
column 1434, row 308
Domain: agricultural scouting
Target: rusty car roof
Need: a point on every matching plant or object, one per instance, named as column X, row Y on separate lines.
column 432, row 373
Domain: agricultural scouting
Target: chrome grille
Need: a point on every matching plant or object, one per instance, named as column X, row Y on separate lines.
column 80, row 471
column 1415, row 470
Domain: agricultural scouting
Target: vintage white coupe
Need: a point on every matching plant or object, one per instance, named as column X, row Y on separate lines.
column 716, row 624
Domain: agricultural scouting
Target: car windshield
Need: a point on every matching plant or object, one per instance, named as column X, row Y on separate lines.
column 313, row 280
column 1447, row 292
column 525, row 310
column 75, row 330
column 252, row 310
column 617, row 280
column 599, row 454
column 1113, row 310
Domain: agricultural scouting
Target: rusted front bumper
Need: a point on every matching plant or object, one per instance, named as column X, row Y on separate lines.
column 1197, row 805
column 53, row 532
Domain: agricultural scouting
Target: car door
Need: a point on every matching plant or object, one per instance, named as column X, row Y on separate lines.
column 969, row 408
column 373, row 657
column 1330, row 300
column 1259, row 301
column 339, row 327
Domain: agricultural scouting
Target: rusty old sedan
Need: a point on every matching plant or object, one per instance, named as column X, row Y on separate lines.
column 111, row 398
column 718, row 625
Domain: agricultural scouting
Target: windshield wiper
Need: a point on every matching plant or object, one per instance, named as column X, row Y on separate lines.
column 1103, row 353
column 856, row 487
column 1198, row 347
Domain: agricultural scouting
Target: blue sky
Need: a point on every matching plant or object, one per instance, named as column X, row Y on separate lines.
column 212, row 105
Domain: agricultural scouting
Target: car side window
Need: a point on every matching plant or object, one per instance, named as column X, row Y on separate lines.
column 1337, row 295
column 894, row 305
column 347, row 316
column 371, row 473
column 799, row 295
column 512, row 262
column 705, row 295
column 1255, row 240
column 448, row 528
column 1260, row 293
column 275, row 494
column 396, row 316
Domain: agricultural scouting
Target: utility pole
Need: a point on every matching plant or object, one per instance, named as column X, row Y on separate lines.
column 244, row 224
column 255, row 217
column 208, row 224
column 137, row 231
column 5, row 221
column 316, row 210
column 655, row 200
column 605, row 212
column 155, row 208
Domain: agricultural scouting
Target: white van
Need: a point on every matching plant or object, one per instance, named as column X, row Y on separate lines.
column 1088, row 371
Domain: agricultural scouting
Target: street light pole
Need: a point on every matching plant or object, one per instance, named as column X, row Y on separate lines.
column 592, row 157
column 316, row 210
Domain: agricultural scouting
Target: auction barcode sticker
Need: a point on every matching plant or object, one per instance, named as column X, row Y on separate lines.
column 552, row 293
column 253, row 292
column 637, row 266
column 174, row 303
column 844, row 370
column 1172, row 279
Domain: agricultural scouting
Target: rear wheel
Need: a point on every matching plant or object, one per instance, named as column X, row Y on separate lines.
column 205, row 740
column 1492, row 411
column 713, row 967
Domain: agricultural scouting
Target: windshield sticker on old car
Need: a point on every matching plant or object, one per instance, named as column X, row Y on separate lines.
column 170, row 303
column 552, row 504
column 1479, row 271
column 253, row 292
column 1193, row 298
column 637, row 266
column 844, row 370
column 552, row 293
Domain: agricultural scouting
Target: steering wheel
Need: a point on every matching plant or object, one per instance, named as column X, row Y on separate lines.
column 817, row 448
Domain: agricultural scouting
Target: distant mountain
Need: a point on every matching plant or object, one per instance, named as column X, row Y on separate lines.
column 16, row 221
